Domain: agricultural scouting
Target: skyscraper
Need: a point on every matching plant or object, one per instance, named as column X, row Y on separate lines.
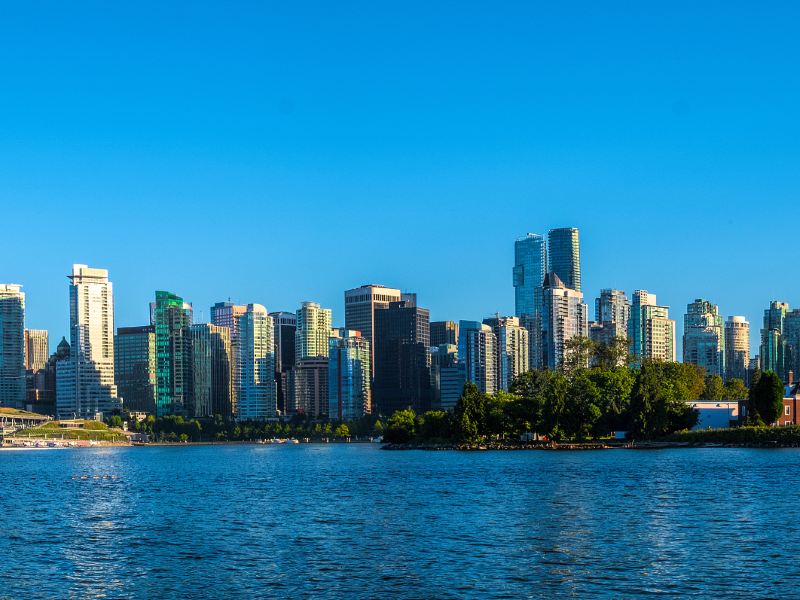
column 37, row 349
column 312, row 331
column 172, row 318
column 85, row 382
column 737, row 348
column 310, row 387
column 564, row 316
column 349, row 396
column 444, row 332
column 212, row 375
column 284, row 324
column 402, row 361
column 564, row 254
column 773, row 344
column 512, row 349
column 135, row 367
column 477, row 349
column 530, row 266
column 791, row 339
column 650, row 331
column 704, row 337
column 12, row 345
column 255, row 359
column 224, row 314
column 360, row 305
column 612, row 311
column 448, row 376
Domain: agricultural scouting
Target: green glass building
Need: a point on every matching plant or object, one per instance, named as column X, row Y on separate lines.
column 172, row 318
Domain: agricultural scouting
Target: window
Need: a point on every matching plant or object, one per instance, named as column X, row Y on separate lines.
column 787, row 410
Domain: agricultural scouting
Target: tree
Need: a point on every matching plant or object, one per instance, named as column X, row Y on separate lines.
column 615, row 353
column 659, row 400
column 578, row 351
column 714, row 388
column 401, row 427
column 735, row 390
column 342, row 431
column 766, row 398
column 527, row 414
column 469, row 414
column 581, row 410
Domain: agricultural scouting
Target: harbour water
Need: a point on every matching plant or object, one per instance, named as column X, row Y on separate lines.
column 352, row 521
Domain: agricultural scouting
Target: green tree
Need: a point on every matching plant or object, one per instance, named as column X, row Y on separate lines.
column 581, row 408
column 578, row 352
column 555, row 402
column 469, row 414
column 766, row 398
column 615, row 385
column 435, row 425
column 527, row 415
column 614, row 354
column 714, row 388
column 401, row 427
column 660, row 396
column 735, row 390
column 342, row 431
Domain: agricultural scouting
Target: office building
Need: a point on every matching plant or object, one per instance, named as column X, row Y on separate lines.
column 444, row 332
column 172, row 318
column 224, row 314
column 284, row 324
column 791, row 341
column 512, row 349
column 530, row 266
column 37, row 349
column 612, row 311
column 704, row 337
column 773, row 343
column 402, row 361
column 564, row 255
column 12, row 346
column 360, row 305
column 310, row 387
column 135, row 367
column 448, row 376
column 256, row 396
column 564, row 316
column 737, row 348
column 85, row 385
column 477, row 350
column 349, row 394
column 312, row 331
column 650, row 331
column 212, row 371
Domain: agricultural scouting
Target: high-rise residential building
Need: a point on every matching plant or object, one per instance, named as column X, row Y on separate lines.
column 310, row 387
column 349, row 395
column 85, row 382
column 530, row 266
column 135, row 367
column 704, row 337
column 312, row 331
column 402, row 360
column 448, row 376
column 737, row 348
column 212, row 375
column 612, row 311
column 172, row 318
column 512, row 349
column 564, row 316
column 37, row 349
column 284, row 324
column 12, row 345
column 564, row 255
column 773, row 344
column 533, row 325
column 255, row 359
column 47, row 402
column 224, row 314
column 650, row 331
column 360, row 305
column 791, row 340
column 477, row 350
column 444, row 332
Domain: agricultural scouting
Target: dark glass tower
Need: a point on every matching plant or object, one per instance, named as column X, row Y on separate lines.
column 564, row 254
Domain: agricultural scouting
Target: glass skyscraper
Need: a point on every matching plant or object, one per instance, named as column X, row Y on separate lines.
column 530, row 264
column 12, row 345
column 564, row 254
column 135, row 367
column 172, row 318
column 349, row 395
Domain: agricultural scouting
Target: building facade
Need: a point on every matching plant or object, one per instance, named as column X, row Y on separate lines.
column 172, row 319
column 256, row 396
column 530, row 266
column 651, row 332
column 212, row 371
column 310, row 386
column 477, row 350
column 564, row 256
column 85, row 385
column 135, row 367
column 444, row 332
column 448, row 376
column 312, row 331
column 512, row 349
column 704, row 337
column 349, row 372
column 564, row 316
column 773, row 343
column 12, row 346
column 737, row 348
column 360, row 305
column 612, row 312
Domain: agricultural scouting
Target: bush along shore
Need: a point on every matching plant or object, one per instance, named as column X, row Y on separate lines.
column 577, row 407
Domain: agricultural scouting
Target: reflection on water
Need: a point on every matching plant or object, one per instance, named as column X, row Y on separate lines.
column 351, row 521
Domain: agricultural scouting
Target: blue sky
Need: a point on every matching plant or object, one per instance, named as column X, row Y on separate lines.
column 280, row 152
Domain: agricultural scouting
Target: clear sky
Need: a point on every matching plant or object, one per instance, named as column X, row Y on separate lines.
column 276, row 152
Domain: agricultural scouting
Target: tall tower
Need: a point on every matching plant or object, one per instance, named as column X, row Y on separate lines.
column 349, row 396
column 312, row 331
column 704, row 337
column 737, row 348
column 255, row 360
column 477, row 349
column 564, row 317
column 530, row 265
column 650, row 330
column 212, row 379
column 135, row 367
column 224, row 314
column 773, row 343
column 12, row 345
column 360, row 305
column 85, row 383
column 172, row 318
column 564, row 253
column 512, row 349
